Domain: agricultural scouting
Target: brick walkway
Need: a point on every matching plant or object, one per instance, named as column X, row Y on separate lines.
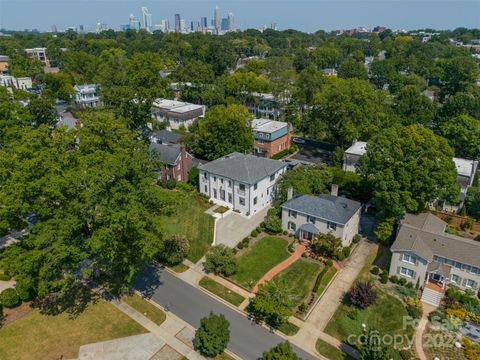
column 297, row 254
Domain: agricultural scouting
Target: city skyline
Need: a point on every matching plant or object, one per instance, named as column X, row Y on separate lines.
column 315, row 15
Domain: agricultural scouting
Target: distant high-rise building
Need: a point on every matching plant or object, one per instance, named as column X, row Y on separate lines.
column 191, row 26
column 54, row 28
column 147, row 19
column 101, row 27
column 203, row 23
column 217, row 18
column 183, row 26
column 134, row 23
column 231, row 22
column 81, row 29
column 225, row 26
column 162, row 26
column 178, row 27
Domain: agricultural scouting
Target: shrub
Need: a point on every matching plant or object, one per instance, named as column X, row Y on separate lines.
column 285, row 232
column 375, row 270
column 394, row 279
column 409, row 285
column 254, row 233
column 414, row 307
column 329, row 262
column 346, row 251
column 363, row 295
column 356, row 238
column 402, row 281
column 241, row 245
column 24, row 290
column 273, row 224
column 384, row 278
column 353, row 313
column 302, row 308
column 404, row 291
column 185, row 187
column 221, row 260
column 213, row 335
column 175, row 249
column 9, row 298
column 340, row 256
column 4, row 277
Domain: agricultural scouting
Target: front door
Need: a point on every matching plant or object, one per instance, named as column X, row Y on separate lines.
column 307, row 235
column 435, row 277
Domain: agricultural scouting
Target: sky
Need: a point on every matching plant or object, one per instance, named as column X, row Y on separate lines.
column 304, row 15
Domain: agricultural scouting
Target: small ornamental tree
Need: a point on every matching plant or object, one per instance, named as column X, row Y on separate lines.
column 327, row 245
column 363, row 295
column 175, row 249
column 221, row 260
column 213, row 335
column 282, row 351
column 273, row 224
column 9, row 298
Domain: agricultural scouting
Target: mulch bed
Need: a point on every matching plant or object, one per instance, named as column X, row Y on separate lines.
column 11, row 315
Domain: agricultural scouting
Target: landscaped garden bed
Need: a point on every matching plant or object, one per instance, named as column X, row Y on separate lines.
column 258, row 259
column 221, row 291
column 187, row 218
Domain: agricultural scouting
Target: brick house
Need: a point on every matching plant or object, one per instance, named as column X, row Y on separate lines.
column 175, row 161
column 271, row 137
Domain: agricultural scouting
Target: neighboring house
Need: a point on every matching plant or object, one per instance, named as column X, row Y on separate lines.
column 429, row 94
column 38, row 54
column 308, row 215
column 352, row 155
column 424, row 253
column 329, row 72
column 67, row 119
column 176, row 113
column 244, row 183
column 466, row 170
column 176, row 161
column 165, row 137
column 9, row 81
column 86, row 95
column 271, row 137
column 4, row 60
column 265, row 105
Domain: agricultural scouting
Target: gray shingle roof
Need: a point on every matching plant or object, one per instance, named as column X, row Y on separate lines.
column 247, row 169
column 418, row 235
column 168, row 152
column 165, row 136
column 336, row 209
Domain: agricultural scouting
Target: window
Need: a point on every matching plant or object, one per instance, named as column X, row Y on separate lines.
column 241, row 200
column 456, row 279
column 179, row 177
column 292, row 226
column 222, row 194
column 215, row 193
column 255, row 200
column 230, row 198
column 311, row 219
column 331, row 225
column 179, row 167
column 471, row 284
column 229, row 183
column 407, row 272
column 272, row 177
column 215, row 178
column 241, row 187
column 221, row 181
column 206, row 189
column 292, row 213
column 261, row 141
column 255, row 187
column 408, row 258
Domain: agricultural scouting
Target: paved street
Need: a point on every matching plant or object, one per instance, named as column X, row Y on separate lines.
column 190, row 304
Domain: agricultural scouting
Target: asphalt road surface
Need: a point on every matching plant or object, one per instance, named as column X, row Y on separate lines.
column 190, row 304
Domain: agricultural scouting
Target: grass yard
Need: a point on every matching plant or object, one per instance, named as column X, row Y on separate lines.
column 179, row 268
column 300, row 277
column 326, row 277
column 331, row 352
column 189, row 219
column 288, row 328
column 440, row 343
column 385, row 316
column 222, row 356
column 258, row 259
column 37, row 336
column 220, row 290
column 144, row 307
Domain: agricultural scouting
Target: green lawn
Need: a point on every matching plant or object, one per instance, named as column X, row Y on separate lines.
column 144, row 307
column 258, row 259
column 331, row 352
column 179, row 268
column 189, row 219
column 385, row 316
column 288, row 328
column 220, row 290
column 37, row 336
column 327, row 275
column 299, row 277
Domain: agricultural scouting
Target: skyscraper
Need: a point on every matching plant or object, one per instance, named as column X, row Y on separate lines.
column 204, row 23
column 134, row 23
column 54, row 28
column 147, row 19
column 217, row 18
column 178, row 27
column 231, row 22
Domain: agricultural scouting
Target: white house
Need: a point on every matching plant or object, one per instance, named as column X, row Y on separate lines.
column 352, row 155
column 86, row 95
column 244, row 183
column 23, row 83
column 308, row 215
column 176, row 113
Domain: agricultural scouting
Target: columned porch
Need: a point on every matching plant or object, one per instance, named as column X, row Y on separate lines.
column 307, row 232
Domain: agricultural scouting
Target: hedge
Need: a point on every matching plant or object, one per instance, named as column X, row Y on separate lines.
column 9, row 298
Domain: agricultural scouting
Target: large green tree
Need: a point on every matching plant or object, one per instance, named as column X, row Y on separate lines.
column 282, row 351
column 95, row 208
column 463, row 134
column 408, row 166
column 213, row 335
column 412, row 107
column 224, row 129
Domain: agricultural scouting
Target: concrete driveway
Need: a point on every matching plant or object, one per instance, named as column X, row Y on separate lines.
column 234, row 227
